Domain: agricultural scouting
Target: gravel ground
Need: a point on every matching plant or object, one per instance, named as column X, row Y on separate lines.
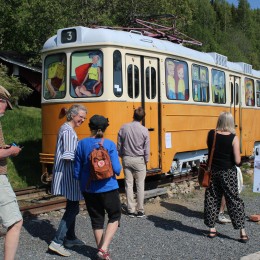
column 172, row 229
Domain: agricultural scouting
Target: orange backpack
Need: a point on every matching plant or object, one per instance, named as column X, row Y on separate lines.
column 100, row 163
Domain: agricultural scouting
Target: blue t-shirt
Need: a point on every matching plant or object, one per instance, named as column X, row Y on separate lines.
column 82, row 166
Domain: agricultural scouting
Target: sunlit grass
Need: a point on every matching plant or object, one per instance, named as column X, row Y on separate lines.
column 23, row 126
column 248, row 180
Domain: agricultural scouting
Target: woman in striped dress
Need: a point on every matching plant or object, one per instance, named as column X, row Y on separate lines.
column 63, row 182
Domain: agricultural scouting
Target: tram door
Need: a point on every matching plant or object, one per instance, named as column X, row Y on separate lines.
column 142, row 88
column 235, row 104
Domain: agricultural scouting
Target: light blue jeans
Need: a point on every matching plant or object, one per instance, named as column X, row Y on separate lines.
column 67, row 223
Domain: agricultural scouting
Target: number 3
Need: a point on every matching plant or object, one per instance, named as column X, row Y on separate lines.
column 69, row 36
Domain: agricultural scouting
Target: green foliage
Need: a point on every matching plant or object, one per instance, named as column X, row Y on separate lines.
column 23, row 126
column 13, row 85
column 233, row 31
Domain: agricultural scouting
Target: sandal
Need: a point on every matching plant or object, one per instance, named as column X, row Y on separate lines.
column 243, row 238
column 212, row 234
column 102, row 254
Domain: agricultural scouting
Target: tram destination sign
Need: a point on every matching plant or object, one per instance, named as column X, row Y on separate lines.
column 69, row 35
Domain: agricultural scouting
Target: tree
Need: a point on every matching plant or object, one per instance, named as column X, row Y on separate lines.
column 13, row 85
column 26, row 25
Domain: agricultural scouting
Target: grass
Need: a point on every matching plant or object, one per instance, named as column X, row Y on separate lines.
column 23, row 126
column 248, row 180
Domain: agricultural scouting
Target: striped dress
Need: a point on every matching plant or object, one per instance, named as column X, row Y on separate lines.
column 63, row 182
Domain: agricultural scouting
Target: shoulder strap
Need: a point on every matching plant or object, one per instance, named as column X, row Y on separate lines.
column 212, row 150
column 102, row 141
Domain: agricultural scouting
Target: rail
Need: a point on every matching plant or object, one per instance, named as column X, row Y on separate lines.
column 38, row 200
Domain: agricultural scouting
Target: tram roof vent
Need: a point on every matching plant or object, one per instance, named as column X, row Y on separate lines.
column 219, row 58
column 136, row 32
column 247, row 68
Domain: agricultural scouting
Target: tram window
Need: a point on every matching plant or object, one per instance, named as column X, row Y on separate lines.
column 200, row 83
column 150, row 74
column 236, row 96
column 117, row 73
column 258, row 93
column 249, row 92
column 55, row 76
column 133, row 86
column 177, row 87
column 218, row 86
column 232, row 92
column 86, row 75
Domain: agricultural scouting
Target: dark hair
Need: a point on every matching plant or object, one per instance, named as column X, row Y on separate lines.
column 139, row 114
column 98, row 124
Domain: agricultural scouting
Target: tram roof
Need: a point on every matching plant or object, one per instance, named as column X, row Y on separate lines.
column 135, row 39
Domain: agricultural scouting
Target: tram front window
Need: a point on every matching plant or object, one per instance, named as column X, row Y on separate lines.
column 55, row 76
column 86, row 74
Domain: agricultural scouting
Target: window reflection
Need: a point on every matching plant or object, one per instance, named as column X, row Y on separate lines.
column 177, row 80
column 200, row 83
column 249, row 92
column 55, row 76
column 218, row 87
column 86, row 74
column 117, row 73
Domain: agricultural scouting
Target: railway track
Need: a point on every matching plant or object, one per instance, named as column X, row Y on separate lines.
column 38, row 200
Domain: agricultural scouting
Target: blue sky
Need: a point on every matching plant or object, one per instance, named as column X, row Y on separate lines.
column 254, row 4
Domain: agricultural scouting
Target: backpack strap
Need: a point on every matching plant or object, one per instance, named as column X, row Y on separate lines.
column 101, row 142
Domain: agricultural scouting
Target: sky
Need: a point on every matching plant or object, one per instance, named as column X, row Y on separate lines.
column 254, row 4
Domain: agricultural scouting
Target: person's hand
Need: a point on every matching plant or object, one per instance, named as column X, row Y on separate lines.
column 15, row 150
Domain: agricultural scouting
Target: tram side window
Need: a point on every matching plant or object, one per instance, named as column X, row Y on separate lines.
column 177, row 87
column 133, row 81
column 249, row 92
column 117, row 73
column 55, row 76
column 258, row 93
column 86, row 75
column 200, row 83
column 150, row 73
column 218, row 86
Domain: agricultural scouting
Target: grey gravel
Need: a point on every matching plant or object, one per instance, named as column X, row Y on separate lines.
column 173, row 229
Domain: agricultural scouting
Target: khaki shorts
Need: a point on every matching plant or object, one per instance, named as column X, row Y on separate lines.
column 9, row 209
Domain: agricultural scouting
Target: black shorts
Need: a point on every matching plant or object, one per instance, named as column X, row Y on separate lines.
column 100, row 203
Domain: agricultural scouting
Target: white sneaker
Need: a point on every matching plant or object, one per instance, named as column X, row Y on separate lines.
column 59, row 249
column 222, row 219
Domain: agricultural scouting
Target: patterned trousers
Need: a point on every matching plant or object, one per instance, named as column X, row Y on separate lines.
column 224, row 182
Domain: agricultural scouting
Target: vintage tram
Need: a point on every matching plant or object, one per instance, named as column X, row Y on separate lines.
column 182, row 91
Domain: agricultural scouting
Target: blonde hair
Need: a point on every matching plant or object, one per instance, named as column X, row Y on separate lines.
column 226, row 123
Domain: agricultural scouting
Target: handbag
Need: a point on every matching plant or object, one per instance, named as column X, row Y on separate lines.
column 204, row 174
column 239, row 180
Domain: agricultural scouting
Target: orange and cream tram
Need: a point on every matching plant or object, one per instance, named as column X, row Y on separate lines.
column 182, row 91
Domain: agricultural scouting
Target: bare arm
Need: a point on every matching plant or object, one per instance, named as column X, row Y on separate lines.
column 84, row 79
column 98, row 81
column 9, row 151
column 236, row 150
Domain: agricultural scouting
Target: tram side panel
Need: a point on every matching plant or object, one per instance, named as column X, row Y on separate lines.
column 250, row 130
column 53, row 117
column 184, row 131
